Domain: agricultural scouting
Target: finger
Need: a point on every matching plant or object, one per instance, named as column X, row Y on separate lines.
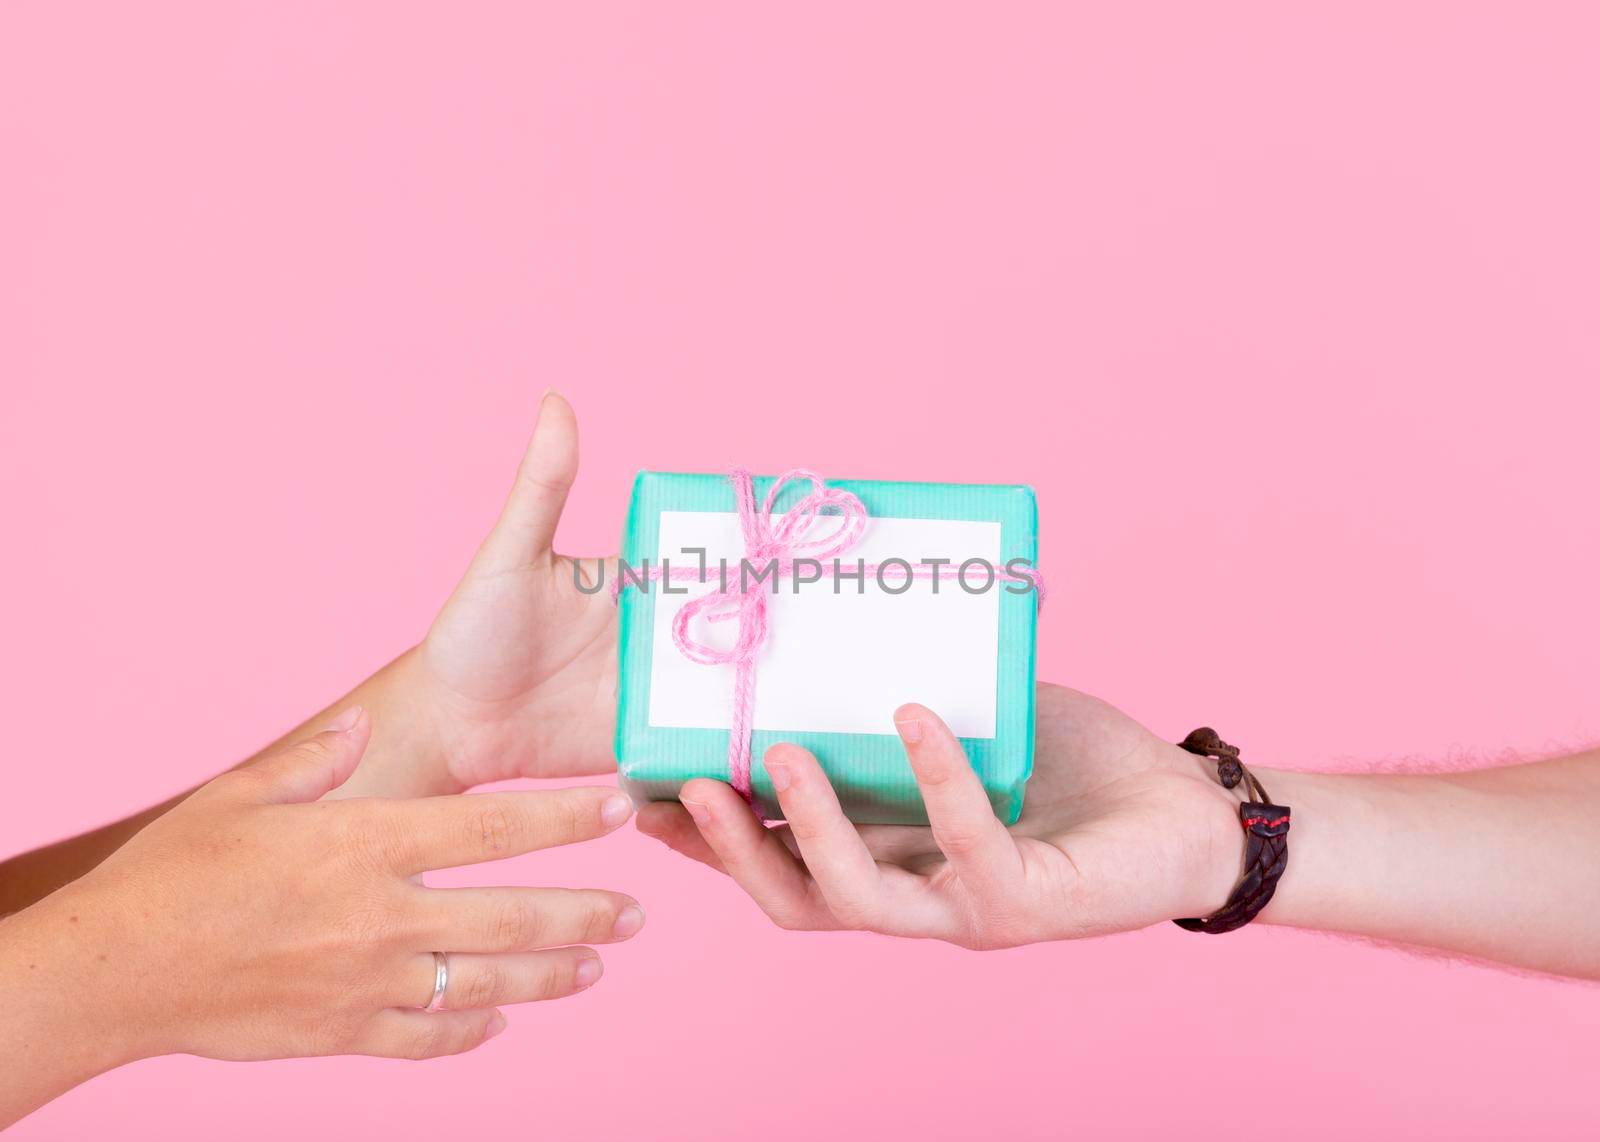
column 973, row 840
column 838, row 861
column 442, row 832
column 521, row 919
column 527, row 525
column 309, row 769
column 755, row 859
column 410, row 1034
column 476, row 982
column 671, row 824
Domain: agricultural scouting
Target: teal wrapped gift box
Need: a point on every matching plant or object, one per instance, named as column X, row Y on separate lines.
column 840, row 651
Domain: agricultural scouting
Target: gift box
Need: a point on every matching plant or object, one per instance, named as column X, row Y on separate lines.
column 756, row 610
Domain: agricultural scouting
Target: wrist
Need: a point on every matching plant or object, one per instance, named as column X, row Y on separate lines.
column 407, row 755
column 1218, row 860
column 71, row 1019
column 1212, row 842
column 1237, row 868
column 1326, row 855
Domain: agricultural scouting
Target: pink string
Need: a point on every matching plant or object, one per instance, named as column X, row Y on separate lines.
column 781, row 542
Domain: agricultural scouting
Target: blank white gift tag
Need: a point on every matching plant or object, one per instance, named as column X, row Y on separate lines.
column 839, row 663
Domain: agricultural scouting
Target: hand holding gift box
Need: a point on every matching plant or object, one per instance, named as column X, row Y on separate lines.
column 756, row 610
column 1121, row 830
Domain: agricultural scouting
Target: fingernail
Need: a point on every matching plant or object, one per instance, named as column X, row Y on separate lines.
column 910, row 731
column 589, row 970
column 345, row 722
column 700, row 811
column 629, row 921
column 779, row 773
column 615, row 810
column 497, row 1024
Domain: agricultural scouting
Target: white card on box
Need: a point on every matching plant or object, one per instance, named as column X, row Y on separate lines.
column 840, row 662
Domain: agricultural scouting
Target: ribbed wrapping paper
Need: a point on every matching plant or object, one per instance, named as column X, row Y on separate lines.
column 868, row 770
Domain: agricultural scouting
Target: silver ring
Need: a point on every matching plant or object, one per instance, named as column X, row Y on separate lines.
column 441, row 980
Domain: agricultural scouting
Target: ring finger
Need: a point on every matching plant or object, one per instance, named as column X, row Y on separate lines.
column 476, row 981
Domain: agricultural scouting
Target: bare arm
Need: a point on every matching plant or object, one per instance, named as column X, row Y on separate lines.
column 1502, row 864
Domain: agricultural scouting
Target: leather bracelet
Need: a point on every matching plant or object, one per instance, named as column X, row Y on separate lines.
column 1266, row 833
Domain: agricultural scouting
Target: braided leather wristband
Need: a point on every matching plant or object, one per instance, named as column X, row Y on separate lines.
column 1266, row 833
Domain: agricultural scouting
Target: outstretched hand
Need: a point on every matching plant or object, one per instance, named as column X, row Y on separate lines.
column 257, row 920
column 517, row 676
column 1119, row 830
column 520, row 662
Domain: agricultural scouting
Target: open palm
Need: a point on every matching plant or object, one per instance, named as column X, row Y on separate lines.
column 520, row 665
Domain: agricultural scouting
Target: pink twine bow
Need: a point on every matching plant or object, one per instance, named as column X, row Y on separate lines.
column 767, row 541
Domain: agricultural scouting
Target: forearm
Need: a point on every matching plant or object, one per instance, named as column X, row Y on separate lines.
column 62, row 1025
column 1500, row 863
column 399, row 763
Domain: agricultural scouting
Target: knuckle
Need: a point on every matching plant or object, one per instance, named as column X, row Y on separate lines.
column 575, row 818
column 514, row 925
column 370, row 922
column 545, row 485
column 428, row 1041
column 483, row 987
column 496, row 829
column 957, row 841
column 314, row 753
column 335, row 1035
column 317, row 748
column 597, row 916
column 556, row 978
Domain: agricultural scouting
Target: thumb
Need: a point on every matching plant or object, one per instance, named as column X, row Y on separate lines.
column 527, row 524
column 317, row 766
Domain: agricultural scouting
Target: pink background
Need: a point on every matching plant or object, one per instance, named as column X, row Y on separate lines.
column 1309, row 295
